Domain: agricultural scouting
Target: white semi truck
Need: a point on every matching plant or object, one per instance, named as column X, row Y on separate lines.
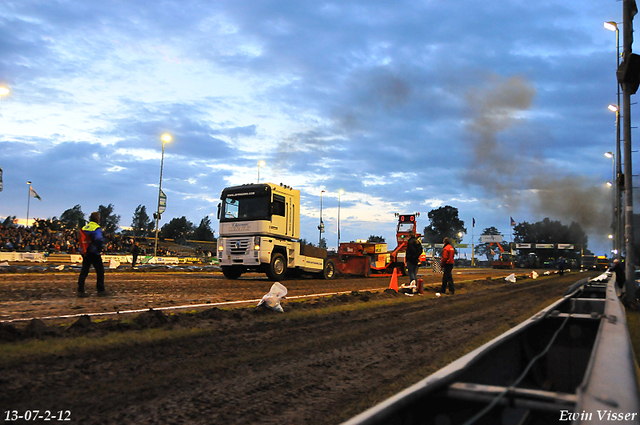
column 260, row 231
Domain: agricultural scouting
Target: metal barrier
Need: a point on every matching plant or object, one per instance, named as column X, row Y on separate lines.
column 570, row 363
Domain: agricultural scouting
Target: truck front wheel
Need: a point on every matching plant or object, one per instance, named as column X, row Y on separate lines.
column 278, row 267
column 329, row 270
column 232, row 272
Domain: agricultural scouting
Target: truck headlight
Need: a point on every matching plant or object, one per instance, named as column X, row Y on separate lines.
column 220, row 248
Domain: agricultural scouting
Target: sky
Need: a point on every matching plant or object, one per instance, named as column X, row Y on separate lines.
column 498, row 109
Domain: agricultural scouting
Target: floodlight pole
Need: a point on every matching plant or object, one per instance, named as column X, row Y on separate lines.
column 627, row 18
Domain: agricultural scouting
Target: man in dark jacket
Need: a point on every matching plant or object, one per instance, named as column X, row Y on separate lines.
column 91, row 248
column 135, row 251
column 618, row 269
column 414, row 249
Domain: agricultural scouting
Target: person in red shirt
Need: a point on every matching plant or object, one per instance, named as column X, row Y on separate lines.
column 447, row 267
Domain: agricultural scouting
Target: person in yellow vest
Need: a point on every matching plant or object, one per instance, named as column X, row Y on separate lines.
column 447, row 267
column 91, row 249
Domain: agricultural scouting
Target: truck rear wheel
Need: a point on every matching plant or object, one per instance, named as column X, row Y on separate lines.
column 329, row 270
column 232, row 272
column 278, row 267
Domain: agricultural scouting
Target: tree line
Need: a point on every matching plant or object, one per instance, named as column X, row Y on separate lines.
column 444, row 222
column 180, row 229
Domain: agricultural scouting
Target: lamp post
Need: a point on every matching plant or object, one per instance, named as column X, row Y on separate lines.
column 619, row 219
column 321, row 225
column 260, row 164
column 165, row 138
column 28, row 203
column 340, row 192
column 626, row 83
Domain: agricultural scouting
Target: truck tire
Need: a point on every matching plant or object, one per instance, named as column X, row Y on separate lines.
column 232, row 272
column 329, row 270
column 278, row 267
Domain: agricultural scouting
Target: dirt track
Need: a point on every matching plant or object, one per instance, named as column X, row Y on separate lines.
column 247, row 366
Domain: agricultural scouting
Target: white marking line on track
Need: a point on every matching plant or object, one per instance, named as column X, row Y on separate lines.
column 111, row 313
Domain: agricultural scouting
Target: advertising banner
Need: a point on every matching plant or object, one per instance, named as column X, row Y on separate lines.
column 490, row 238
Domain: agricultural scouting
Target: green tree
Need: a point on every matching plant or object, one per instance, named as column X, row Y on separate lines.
column 551, row 232
column 108, row 220
column 141, row 224
column 444, row 223
column 376, row 239
column 204, row 232
column 485, row 248
column 323, row 243
column 8, row 222
column 73, row 217
column 178, row 229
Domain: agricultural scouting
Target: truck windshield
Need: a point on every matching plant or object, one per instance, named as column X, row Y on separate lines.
column 246, row 208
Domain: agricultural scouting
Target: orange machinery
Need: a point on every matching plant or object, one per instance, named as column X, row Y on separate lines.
column 373, row 258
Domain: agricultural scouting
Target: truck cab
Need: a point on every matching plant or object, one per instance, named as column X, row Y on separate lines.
column 260, row 230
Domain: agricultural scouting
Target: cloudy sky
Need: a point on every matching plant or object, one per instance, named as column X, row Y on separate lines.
column 495, row 108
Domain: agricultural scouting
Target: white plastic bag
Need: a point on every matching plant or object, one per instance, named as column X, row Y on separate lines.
column 534, row 274
column 511, row 278
column 272, row 299
column 113, row 263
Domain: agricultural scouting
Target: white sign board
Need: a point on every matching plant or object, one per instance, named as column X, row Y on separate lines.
column 490, row 238
column 565, row 246
column 544, row 245
column 523, row 245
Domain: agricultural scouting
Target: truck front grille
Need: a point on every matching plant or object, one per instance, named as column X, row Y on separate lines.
column 239, row 246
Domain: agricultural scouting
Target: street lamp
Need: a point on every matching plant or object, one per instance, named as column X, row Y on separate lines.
column 165, row 139
column 260, row 164
column 28, row 203
column 321, row 225
column 340, row 192
column 618, row 221
column 3, row 91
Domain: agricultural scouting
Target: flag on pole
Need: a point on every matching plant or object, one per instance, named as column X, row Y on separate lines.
column 0, row 179
column 33, row 194
column 474, row 222
column 513, row 222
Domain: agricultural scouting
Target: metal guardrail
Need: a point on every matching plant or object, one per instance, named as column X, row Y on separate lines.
column 570, row 363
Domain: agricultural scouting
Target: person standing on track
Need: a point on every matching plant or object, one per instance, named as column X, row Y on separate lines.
column 447, row 267
column 135, row 250
column 414, row 249
column 91, row 249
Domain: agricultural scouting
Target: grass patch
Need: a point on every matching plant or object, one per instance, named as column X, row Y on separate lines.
column 11, row 353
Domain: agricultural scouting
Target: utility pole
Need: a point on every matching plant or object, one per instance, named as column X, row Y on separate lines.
column 628, row 76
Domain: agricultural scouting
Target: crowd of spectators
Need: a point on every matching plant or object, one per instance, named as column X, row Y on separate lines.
column 34, row 239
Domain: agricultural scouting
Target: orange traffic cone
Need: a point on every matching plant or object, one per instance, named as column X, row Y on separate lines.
column 394, row 280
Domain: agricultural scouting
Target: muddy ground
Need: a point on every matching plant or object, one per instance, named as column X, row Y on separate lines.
column 240, row 365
